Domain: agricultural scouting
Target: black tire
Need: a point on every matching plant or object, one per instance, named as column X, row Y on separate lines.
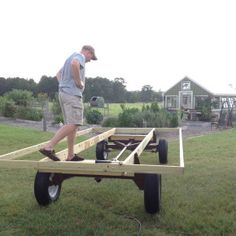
column 152, row 193
column 163, row 151
column 101, row 150
column 44, row 190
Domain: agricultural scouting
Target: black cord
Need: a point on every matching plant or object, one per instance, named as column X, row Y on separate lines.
column 139, row 224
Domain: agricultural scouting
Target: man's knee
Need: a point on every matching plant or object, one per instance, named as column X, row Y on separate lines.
column 72, row 126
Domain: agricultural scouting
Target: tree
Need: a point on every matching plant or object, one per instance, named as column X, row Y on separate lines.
column 7, row 85
column 2, row 86
column 133, row 96
column 20, row 97
column 48, row 85
column 158, row 96
column 119, row 91
column 147, row 94
column 98, row 87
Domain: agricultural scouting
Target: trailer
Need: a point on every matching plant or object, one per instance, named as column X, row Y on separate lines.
column 134, row 141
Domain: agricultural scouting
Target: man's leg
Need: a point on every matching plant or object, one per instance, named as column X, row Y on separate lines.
column 70, row 143
column 64, row 131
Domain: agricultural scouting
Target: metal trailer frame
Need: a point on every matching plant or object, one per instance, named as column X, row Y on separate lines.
column 51, row 174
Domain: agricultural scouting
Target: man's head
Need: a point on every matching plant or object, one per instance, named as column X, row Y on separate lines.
column 89, row 53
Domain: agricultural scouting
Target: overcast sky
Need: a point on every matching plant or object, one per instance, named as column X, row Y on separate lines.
column 143, row 41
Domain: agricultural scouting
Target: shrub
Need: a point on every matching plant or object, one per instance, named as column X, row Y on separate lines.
column 204, row 106
column 56, row 109
column 20, row 97
column 174, row 120
column 111, row 122
column 154, row 107
column 9, row 109
column 3, row 101
column 28, row 113
column 131, row 117
column 58, row 119
column 94, row 117
column 151, row 116
column 205, row 113
column 157, row 119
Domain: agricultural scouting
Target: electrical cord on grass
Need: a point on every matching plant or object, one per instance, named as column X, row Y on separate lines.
column 139, row 224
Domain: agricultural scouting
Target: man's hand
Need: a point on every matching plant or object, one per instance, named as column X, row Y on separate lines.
column 80, row 84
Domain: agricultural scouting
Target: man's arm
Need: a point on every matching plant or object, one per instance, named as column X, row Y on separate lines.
column 75, row 65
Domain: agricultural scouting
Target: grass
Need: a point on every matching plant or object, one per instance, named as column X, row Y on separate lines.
column 201, row 202
column 115, row 108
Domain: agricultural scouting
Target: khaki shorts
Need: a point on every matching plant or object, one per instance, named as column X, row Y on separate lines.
column 72, row 108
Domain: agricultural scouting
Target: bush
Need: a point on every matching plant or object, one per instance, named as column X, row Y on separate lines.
column 154, row 107
column 3, row 101
column 174, row 120
column 111, row 122
column 9, row 109
column 28, row 113
column 204, row 106
column 156, row 119
column 131, row 117
column 58, row 119
column 56, row 109
column 20, row 97
column 94, row 117
column 205, row 113
column 15, row 104
column 151, row 116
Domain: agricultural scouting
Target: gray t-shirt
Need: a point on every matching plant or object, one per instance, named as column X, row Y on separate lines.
column 67, row 83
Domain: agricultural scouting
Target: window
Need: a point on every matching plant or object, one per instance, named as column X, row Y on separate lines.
column 171, row 102
column 200, row 101
column 186, row 85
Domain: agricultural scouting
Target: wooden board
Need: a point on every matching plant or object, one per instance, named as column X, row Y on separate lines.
column 34, row 148
column 90, row 167
column 139, row 149
column 85, row 144
column 127, row 137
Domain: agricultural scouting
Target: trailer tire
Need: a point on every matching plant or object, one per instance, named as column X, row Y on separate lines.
column 101, row 150
column 163, row 151
column 152, row 193
column 44, row 190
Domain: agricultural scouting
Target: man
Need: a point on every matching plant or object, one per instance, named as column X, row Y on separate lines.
column 71, row 79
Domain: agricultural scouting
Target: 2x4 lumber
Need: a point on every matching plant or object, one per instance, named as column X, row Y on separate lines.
column 22, row 152
column 133, row 130
column 34, row 148
column 108, row 169
column 139, row 149
column 144, row 131
column 166, row 129
column 127, row 137
column 62, row 155
column 89, row 167
column 100, row 129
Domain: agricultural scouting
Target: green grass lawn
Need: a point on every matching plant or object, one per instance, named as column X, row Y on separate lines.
column 200, row 202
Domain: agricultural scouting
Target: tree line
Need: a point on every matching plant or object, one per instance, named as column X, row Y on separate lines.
column 111, row 90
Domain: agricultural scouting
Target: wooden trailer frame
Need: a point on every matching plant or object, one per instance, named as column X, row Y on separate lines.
column 135, row 139
column 117, row 168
